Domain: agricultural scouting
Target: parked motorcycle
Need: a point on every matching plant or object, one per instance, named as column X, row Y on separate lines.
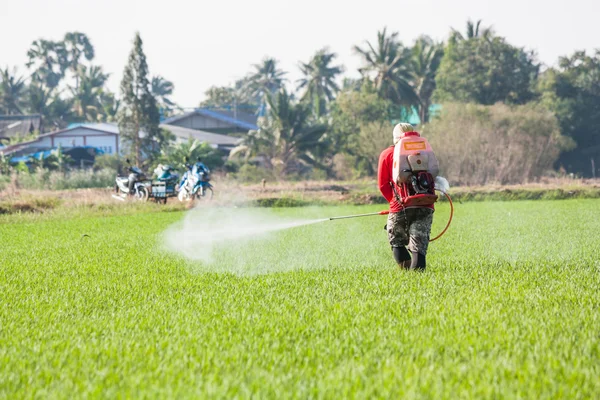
column 195, row 183
column 136, row 183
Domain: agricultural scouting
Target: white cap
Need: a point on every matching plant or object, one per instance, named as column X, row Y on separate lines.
column 400, row 130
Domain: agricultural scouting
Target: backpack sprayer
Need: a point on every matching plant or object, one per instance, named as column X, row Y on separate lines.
column 414, row 170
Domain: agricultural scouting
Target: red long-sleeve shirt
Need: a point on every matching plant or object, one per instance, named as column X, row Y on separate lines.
column 384, row 178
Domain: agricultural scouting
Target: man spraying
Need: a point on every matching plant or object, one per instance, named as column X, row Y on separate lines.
column 406, row 180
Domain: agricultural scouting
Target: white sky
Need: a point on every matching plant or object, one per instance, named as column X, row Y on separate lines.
column 198, row 44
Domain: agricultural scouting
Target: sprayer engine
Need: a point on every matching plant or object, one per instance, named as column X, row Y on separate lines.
column 414, row 170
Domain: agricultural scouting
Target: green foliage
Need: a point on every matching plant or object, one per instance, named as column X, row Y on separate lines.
column 314, row 312
column 12, row 92
column 177, row 154
column 87, row 95
column 286, row 140
column 138, row 106
column 109, row 162
column 266, row 80
column 318, row 82
column 73, row 179
column 572, row 91
column 426, row 58
column 162, row 89
column 388, row 65
column 502, row 144
column 485, row 69
column 360, row 121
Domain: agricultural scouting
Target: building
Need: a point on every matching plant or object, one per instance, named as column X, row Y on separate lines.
column 215, row 121
column 12, row 126
column 105, row 137
column 217, row 141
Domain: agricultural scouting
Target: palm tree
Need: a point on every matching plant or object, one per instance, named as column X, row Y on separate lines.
column 12, row 92
column 162, row 89
column 86, row 97
column 426, row 56
column 286, row 139
column 76, row 45
column 265, row 80
column 319, row 80
column 47, row 59
column 389, row 65
column 474, row 30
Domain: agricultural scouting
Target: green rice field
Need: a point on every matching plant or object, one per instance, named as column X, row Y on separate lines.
column 95, row 305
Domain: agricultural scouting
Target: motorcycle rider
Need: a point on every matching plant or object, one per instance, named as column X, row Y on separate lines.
column 198, row 168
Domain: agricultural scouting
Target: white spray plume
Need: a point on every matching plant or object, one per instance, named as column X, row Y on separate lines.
column 204, row 229
column 442, row 184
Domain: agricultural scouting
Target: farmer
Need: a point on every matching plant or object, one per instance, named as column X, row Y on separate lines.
column 406, row 226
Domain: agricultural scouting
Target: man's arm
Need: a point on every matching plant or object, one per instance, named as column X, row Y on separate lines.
column 384, row 177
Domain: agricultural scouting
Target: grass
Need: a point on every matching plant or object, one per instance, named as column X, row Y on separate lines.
column 507, row 309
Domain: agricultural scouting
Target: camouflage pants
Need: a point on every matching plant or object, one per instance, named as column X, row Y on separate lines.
column 411, row 227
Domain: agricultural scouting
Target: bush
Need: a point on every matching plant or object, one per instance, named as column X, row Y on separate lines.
column 495, row 144
column 75, row 179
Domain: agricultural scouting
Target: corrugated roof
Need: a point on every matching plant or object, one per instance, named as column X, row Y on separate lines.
column 202, row 136
column 21, row 125
column 241, row 120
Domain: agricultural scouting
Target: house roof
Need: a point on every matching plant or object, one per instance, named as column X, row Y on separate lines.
column 100, row 127
column 22, row 125
column 202, row 136
column 241, row 120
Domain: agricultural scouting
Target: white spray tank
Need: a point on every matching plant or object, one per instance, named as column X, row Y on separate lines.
column 413, row 153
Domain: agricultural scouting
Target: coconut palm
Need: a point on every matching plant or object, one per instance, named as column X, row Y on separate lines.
column 76, row 45
column 426, row 58
column 162, row 89
column 12, row 92
column 87, row 104
column 388, row 64
column 318, row 82
column 286, row 139
column 265, row 80
column 474, row 30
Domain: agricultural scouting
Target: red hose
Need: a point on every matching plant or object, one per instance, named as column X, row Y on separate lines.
column 449, row 220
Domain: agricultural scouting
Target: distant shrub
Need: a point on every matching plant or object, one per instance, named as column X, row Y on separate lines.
column 75, row 179
column 503, row 144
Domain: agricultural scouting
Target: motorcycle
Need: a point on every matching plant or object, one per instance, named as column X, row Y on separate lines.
column 141, row 185
column 195, row 183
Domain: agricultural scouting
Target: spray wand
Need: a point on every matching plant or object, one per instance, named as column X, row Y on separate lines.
column 386, row 212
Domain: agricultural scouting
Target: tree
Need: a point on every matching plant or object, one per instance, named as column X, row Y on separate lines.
column 426, row 58
column 236, row 97
column 486, row 70
column 318, row 81
column 47, row 59
column 503, row 144
column 12, row 92
column 55, row 111
column 266, row 80
column 161, row 90
column 138, row 108
column 76, row 45
column 176, row 155
column 572, row 91
column 362, row 128
column 388, row 65
column 474, row 30
column 286, row 140
column 87, row 96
